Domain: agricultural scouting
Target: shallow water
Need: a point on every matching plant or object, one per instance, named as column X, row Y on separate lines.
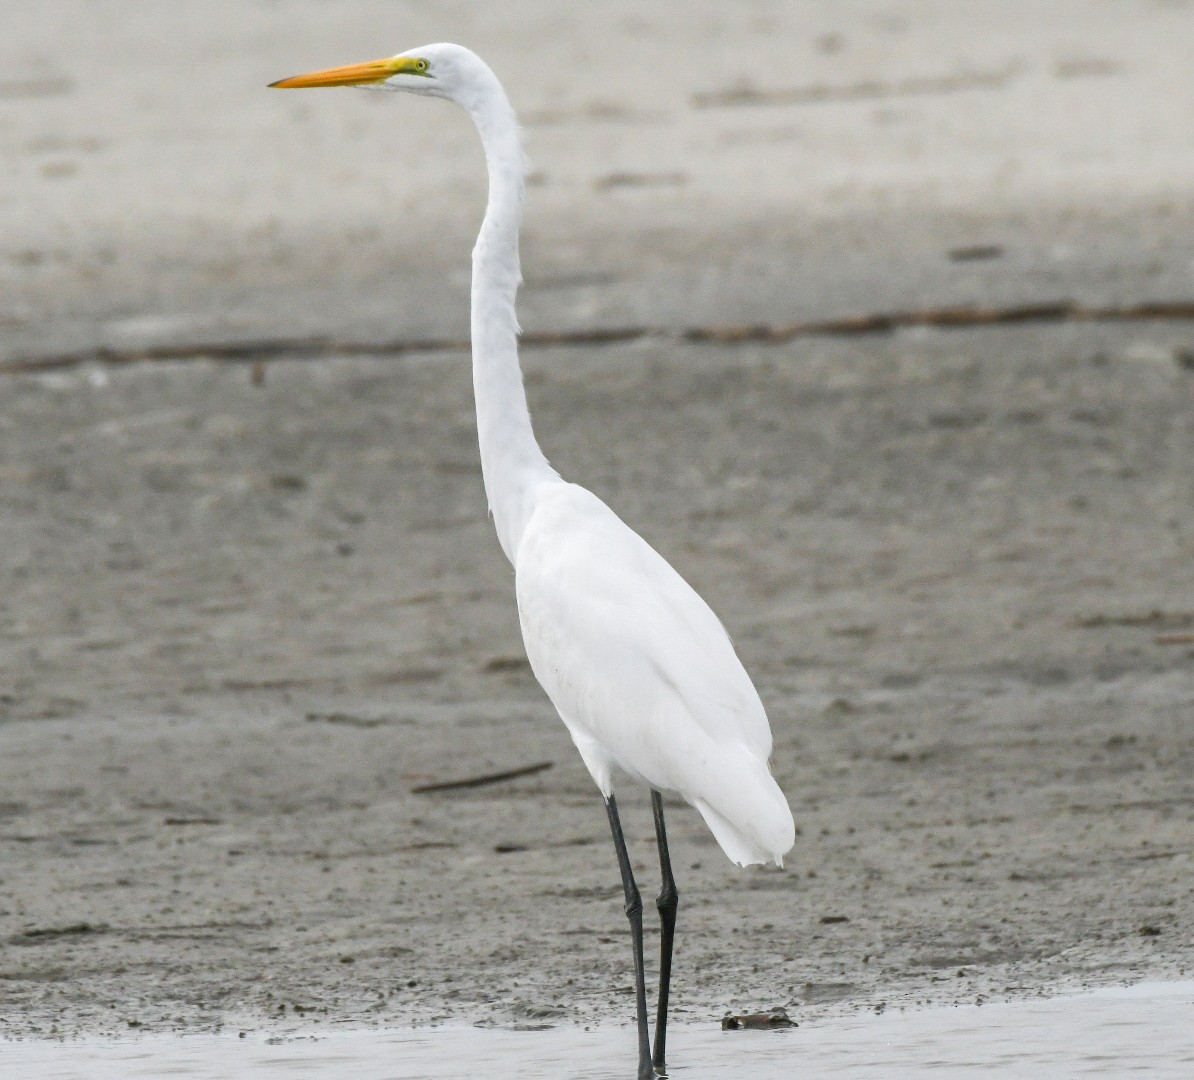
column 1145, row 1030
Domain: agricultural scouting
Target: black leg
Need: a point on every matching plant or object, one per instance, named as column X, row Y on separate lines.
column 667, row 902
column 634, row 912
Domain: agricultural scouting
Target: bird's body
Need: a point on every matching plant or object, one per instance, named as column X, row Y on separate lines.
column 643, row 673
column 637, row 665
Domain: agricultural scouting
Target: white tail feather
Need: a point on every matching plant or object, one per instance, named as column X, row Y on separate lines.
column 762, row 829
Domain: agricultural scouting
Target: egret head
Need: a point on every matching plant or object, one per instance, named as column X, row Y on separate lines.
column 447, row 71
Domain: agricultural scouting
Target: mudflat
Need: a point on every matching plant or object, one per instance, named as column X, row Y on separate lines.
column 251, row 600
column 242, row 623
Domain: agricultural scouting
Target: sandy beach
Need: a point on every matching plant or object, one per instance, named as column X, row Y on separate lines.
column 877, row 327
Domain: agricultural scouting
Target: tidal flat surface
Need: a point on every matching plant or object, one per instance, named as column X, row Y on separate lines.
column 248, row 611
column 242, row 624
column 1141, row 1030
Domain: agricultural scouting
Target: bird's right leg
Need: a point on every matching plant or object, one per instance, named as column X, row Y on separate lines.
column 667, row 902
column 634, row 912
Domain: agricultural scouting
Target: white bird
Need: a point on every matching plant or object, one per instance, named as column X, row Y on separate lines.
column 641, row 671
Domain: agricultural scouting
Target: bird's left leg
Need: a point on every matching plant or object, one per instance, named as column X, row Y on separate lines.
column 634, row 912
column 667, row 902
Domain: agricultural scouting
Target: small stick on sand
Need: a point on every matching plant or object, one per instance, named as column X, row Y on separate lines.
column 481, row 781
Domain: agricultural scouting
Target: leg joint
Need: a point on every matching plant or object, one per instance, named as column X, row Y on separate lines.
column 669, row 897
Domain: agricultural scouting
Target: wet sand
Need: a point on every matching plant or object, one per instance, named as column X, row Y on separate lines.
column 243, row 618
column 242, row 623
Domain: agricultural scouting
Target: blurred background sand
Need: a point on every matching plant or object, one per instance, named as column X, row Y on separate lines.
column 695, row 163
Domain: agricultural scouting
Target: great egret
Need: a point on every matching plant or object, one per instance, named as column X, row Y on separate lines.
column 639, row 668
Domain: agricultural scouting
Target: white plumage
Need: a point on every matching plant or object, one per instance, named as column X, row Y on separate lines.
column 643, row 673
column 639, row 668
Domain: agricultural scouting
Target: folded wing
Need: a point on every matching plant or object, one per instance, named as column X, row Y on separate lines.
column 643, row 673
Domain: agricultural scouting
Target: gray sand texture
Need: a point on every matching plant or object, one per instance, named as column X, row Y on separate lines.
column 250, row 598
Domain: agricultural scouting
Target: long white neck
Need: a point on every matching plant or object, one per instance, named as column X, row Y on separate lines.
column 511, row 462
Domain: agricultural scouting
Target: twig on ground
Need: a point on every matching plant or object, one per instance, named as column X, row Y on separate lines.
column 481, row 781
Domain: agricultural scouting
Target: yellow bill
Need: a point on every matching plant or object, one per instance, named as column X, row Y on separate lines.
column 372, row 71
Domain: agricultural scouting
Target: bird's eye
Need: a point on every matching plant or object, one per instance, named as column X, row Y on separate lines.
column 421, row 66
